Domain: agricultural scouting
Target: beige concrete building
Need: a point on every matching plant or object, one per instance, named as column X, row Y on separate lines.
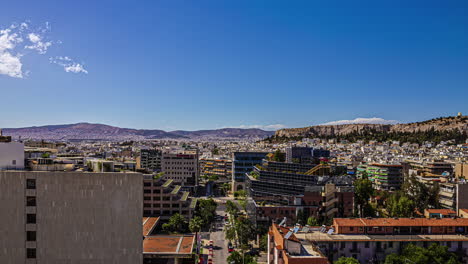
column 70, row 217
column 181, row 167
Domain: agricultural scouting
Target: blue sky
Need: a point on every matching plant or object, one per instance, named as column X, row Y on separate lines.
column 210, row 64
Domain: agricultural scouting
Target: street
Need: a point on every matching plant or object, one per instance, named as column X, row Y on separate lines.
column 220, row 250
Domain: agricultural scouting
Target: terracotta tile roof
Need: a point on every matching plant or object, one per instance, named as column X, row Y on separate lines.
column 170, row 244
column 284, row 230
column 441, row 211
column 401, row 222
column 148, row 224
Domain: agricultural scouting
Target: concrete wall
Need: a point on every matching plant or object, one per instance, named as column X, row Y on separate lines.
column 9, row 152
column 12, row 220
column 81, row 217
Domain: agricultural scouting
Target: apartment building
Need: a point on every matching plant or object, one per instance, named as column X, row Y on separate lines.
column 149, row 159
column 181, row 167
column 70, row 217
column 369, row 240
column 11, row 154
column 164, row 198
column 242, row 163
column 219, row 167
column 453, row 195
column 320, row 202
column 305, row 154
column 385, row 177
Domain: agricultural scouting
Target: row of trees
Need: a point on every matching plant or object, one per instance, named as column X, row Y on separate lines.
column 415, row 255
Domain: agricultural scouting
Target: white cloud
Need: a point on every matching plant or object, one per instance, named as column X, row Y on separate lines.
column 361, row 120
column 37, row 43
column 68, row 64
column 10, row 65
column 32, row 39
column 263, row 127
column 10, row 61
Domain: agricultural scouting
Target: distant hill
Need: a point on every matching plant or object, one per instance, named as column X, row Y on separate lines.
column 87, row 131
column 437, row 129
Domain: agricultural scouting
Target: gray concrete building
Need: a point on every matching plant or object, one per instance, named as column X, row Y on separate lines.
column 70, row 217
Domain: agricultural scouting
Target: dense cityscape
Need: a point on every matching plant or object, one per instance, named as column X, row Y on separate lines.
column 233, row 132
column 313, row 200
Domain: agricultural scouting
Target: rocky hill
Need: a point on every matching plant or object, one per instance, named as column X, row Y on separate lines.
column 87, row 131
column 459, row 123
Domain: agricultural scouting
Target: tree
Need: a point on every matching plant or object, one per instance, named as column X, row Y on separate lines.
column 177, row 223
column 345, row 260
column 424, row 196
column 238, row 258
column 263, row 242
column 278, row 156
column 195, row 224
column 420, row 255
column 206, row 210
column 363, row 191
column 232, row 208
column 312, row 221
column 400, row 205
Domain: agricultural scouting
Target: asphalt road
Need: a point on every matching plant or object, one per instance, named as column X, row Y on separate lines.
column 220, row 251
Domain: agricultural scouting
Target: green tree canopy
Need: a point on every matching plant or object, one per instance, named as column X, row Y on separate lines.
column 363, row 191
column 312, row 221
column 420, row 255
column 177, row 223
column 195, row 224
column 206, row 210
column 345, row 260
column 400, row 205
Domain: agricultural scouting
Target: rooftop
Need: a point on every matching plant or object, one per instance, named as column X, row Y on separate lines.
column 400, row 222
column 148, row 224
column 168, row 244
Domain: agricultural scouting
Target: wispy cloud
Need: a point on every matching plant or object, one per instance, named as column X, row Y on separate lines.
column 263, row 127
column 18, row 40
column 362, row 120
column 68, row 64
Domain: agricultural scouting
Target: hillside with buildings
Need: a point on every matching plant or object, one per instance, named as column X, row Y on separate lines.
column 454, row 127
column 87, row 131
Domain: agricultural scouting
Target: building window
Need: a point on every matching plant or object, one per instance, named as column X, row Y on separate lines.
column 31, row 253
column 390, row 244
column 366, row 245
column 31, row 236
column 342, row 245
column 351, row 229
column 449, row 244
column 30, row 184
column 13, row 162
column 30, row 218
column 30, row 201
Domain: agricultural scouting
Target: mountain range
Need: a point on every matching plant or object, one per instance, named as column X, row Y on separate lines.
column 88, row 131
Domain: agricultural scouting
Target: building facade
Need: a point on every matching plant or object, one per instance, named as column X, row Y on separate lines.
column 163, row 198
column 70, row 217
column 149, row 159
column 182, row 168
column 11, row 154
column 242, row 163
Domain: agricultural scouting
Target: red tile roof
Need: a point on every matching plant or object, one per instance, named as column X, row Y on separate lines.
column 148, row 224
column 441, row 211
column 170, row 244
column 401, row 222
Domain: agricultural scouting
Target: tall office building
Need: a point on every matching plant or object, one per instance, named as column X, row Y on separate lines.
column 149, row 159
column 305, row 154
column 70, row 217
column 181, row 167
column 242, row 163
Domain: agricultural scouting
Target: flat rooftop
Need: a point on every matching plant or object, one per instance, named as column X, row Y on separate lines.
column 317, row 236
column 168, row 244
column 149, row 223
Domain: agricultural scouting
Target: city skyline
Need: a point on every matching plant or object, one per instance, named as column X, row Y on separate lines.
column 210, row 64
